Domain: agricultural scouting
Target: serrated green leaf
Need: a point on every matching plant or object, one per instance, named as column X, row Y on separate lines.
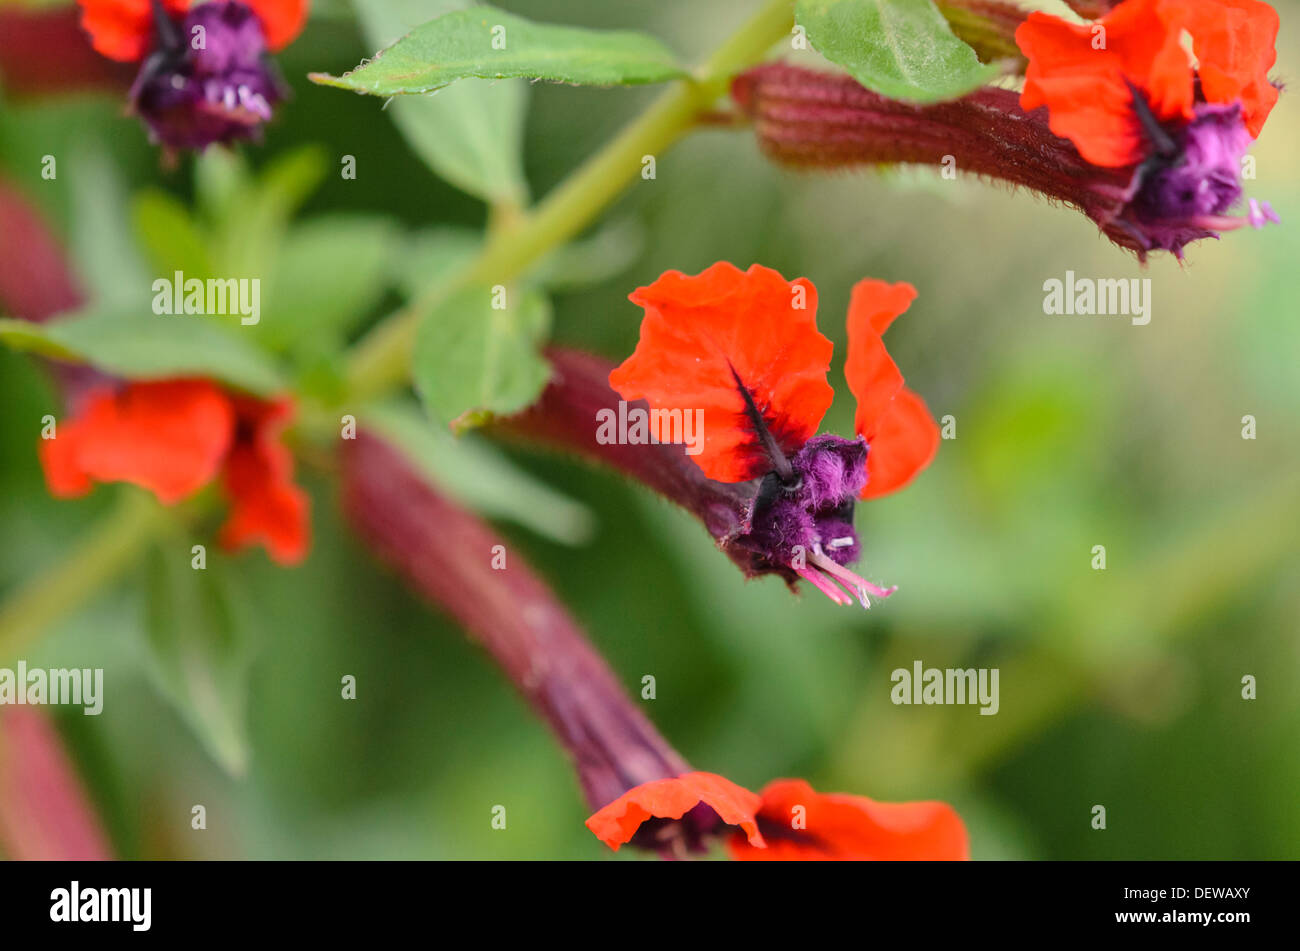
column 472, row 134
column 197, row 654
column 148, row 346
column 479, row 475
column 903, row 49
column 473, row 361
column 486, row 43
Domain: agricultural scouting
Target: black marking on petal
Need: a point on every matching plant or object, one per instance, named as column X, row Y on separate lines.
column 1160, row 140
column 169, row 34
column 780, row 464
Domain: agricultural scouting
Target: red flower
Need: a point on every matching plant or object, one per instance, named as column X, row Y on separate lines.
column 726, row 339
column 789, row 820
column 740, row 353
column 265, row 505
column 617, row 822
column 124, row 30
column 173, row 437
column 1088, row 75
column 708, row 339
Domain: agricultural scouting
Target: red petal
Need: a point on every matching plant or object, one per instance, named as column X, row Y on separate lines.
column 265, row 505
column 698, row 329
column 1235, row 46
column 852, row 828
column 1084, row 89
column 282, row 20
column 168, row 436
column 905, row 442
column 873, row 377
column 617, row 822
column 902, row 435
column 123, row 29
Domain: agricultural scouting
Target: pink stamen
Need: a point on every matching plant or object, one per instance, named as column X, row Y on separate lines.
column 1261, row 213
column 849, row 579
column 822, row 584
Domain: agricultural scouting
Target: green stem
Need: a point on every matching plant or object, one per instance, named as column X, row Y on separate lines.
column 108, row 549
column 380, row 361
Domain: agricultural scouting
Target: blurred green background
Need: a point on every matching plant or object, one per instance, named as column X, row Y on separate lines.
column 1119, row 687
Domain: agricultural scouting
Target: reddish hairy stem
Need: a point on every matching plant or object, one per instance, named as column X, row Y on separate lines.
column 36, row 280
column 446, row 554
column 811, row 119
column 566, row 417
column 43, row 52
column 44, row 812
column 989, row 26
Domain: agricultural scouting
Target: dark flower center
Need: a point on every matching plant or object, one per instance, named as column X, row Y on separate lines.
column 813, row 511
column 1203, row 175
column 208, row 79
column 1184, row 191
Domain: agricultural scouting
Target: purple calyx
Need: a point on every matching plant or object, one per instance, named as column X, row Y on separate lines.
column 1185, row 190
column 804, row 522
column 208, row 79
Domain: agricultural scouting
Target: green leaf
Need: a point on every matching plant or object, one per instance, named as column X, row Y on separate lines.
column 290, row 178
column 479, row 475
column 170, row 236
column 197, row 654
column 473, row 361
column 470, row 135
column 220, row 176
column 433, row 255
column 247, row 216
column 330, row 273
column 486, row 43
column 148, row 346
column 903, row 49
column 100, row 243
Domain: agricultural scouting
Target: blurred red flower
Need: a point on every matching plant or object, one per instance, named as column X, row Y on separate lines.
column 789, row 820
column 124, row 30
column 173, row 437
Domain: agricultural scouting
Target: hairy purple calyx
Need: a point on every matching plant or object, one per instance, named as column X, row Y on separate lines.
column 803, row 523
column 1184, row 190
column 208, row 79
